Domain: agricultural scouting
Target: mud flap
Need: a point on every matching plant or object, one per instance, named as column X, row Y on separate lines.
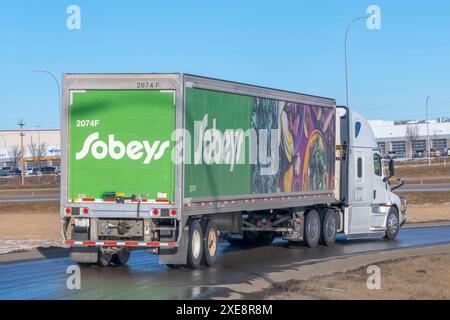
column 176, row 255
column 84, row 254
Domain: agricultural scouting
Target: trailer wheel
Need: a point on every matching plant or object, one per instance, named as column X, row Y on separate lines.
column 250, row 238
column 104, row 259
column 235, row 242
column 210, row 244
column 312, row 229
column 328, row 230
column 267, row 238
column 392, row 224
column 121, row 257
column 195, row 247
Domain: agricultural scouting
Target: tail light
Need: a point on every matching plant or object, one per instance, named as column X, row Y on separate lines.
column 86, row 210
column 173, row 212
column 68, row 210
column 155, row 212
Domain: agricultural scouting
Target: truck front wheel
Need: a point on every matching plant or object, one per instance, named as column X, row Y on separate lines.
column 312, row 229
column 392, row 224
column 195, row 246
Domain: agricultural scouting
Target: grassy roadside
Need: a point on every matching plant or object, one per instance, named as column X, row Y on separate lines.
column 417, row 278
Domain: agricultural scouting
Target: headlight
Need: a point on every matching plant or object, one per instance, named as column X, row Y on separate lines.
column 403, row 204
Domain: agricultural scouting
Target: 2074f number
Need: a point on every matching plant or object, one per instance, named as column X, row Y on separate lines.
column 87, row 123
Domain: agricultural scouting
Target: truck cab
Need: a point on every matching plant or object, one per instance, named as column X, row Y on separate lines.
column 370, row 207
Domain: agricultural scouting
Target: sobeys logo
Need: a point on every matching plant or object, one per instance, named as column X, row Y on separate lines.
column 135, row 150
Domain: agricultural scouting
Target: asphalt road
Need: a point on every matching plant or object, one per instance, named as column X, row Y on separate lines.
column 144, row 278
column 440, row 187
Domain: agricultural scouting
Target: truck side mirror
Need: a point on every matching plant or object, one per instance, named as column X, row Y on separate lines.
column 391, row 168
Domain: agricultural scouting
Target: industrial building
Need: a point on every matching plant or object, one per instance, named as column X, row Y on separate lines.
column 48, row 139
column 409, row 139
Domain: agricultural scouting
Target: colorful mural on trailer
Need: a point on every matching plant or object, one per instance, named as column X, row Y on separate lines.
column 307, row 140
column 304, row 145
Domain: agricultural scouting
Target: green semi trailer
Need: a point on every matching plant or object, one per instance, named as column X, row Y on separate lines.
column 173, row 161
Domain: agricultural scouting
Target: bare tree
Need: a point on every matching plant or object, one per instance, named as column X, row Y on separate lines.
column 412, row 134
column 38, row 152
column 14, row 153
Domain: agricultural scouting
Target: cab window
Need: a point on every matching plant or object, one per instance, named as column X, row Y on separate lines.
column 377, row 165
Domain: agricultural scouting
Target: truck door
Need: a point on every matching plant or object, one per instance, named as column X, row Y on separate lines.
column 380, row 194
column 360, row 210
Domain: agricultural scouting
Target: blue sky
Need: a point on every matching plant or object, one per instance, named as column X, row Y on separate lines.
column 293, row 45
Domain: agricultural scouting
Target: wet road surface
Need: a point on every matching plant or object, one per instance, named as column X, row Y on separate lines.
column 144, row 278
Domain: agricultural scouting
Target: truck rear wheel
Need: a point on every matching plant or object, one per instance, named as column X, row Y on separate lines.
column 312, row 229
column 195, row 245
column 104, row 258
column 121, row 257
column 210, row 243
column 328, row 230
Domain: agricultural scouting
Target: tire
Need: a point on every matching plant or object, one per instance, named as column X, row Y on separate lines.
column 251, row 238
column 121, row 257
column 104, row 259
column 266, row 238
column 328, row 228
column 392, row 224
column 312, row 229
column 210, row 243
column 195, row 246
column 235, row 242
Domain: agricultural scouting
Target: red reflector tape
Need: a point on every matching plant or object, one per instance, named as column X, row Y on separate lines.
column 89, row 243
column 162, row 201
column 88, row 199
column 153, row 244
column 172, row 244
column 131, row 243
column 110, row 243
column 70, row 242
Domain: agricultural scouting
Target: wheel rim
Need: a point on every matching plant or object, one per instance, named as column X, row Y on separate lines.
column 196, row 244
column 392, row 223
column 330, row 227
column 313, row 228
column 212, row 242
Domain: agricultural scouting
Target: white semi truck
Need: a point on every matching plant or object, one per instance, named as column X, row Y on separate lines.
column 172, row 162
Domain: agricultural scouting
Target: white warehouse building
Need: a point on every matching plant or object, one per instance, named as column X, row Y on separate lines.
column 48, row 138
column 410, row 140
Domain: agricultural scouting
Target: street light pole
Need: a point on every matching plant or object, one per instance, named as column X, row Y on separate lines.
column 346, row 55
column 428, row 132
column 57, row 84
column 22, row 152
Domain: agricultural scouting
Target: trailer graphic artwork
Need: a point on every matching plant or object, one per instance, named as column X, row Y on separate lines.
column 306, row 146
column 298, row 138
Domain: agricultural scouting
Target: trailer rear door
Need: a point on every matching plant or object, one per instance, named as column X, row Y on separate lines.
column 120, row 142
